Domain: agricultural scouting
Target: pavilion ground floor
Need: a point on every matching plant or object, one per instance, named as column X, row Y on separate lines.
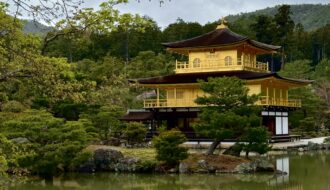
column 274, row 118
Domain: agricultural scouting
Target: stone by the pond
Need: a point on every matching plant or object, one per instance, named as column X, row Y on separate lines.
column 264, row 166
column 87, row 167
column 258, row 165
column 279, row 172
column 203, row 164
column 301, row 149
column 244, row 168
column 105, row 159
column 183, row 167
column 312, row 146
column 326, row 146
column 173, row 170
column 20, row 140
column 202, row 171
column 127, row 164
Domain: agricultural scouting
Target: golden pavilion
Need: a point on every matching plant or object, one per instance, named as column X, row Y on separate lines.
column 218, row 53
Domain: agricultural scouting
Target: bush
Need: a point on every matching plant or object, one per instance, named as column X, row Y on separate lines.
column 168, row 149
column 12, row 106
column 135, row 132
column 53, row 143
column 256, row 139
column 326, row 140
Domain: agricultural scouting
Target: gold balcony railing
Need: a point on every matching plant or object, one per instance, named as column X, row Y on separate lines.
column 167, row 103
column 177, row 103
column 220, row 64
column 270, row 101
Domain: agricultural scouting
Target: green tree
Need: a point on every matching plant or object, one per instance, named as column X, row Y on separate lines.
column 311, row 116
column 52, row 142
column 168, row 147
column 135, row 132
column 106, row 121
column 228, row 110
column 284, row 27
column 264, row 29
column 322, row 86
column 148, row 64
column 255, row 140
column 299, row 69
column 181, row 30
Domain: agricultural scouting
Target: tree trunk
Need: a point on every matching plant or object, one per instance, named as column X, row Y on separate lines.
column 212, row 147
column 247, row 154
column 49, row 180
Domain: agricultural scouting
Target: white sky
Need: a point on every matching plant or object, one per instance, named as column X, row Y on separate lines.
column 201, row 11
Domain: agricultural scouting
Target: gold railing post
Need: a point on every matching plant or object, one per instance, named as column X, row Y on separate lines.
column 176, row 64
column 157, row 102
column 175, row 101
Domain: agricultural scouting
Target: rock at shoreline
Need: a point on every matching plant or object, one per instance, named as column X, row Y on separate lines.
column 244, row 168
column 264, row 166
column 108, row 159
column 183, row 167
column 105, row 159
column 127, row 164
column 312, row 146
column 258, row 165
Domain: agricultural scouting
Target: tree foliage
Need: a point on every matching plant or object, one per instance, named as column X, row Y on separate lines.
column 255, row 140
column 168, row 147
column 135, row 133
column 52, row 142
column 229, row 109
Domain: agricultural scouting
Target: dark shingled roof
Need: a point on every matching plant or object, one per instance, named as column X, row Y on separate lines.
column 137, row 116
column 193, row 77
column 218, row 37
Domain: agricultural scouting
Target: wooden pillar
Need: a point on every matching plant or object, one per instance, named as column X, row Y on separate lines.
column 175, row 101
column 274, row 95
column 281, row 98
column 267, row 95
column 157, row 97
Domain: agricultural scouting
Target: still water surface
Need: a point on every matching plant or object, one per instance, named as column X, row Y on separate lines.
column 309, row 171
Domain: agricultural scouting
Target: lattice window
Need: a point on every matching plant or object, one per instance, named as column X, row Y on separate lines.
column 196, row 62
column 228, row 60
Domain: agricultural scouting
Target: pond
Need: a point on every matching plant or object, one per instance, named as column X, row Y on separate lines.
column 305, row 171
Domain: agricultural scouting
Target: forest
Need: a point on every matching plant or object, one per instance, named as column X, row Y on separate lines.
column 68, row 88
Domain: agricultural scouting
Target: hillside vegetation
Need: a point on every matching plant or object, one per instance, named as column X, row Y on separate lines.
column 311, row 16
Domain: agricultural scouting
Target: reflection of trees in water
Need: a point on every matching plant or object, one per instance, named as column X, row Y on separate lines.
column 308, row 171
column 311, row 170
column 165, row 182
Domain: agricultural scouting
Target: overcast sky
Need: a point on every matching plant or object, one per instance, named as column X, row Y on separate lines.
column 201, row 11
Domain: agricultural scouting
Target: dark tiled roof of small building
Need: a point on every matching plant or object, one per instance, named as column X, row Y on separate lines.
column 218, row 37
column 138, row 116
column 194, row 77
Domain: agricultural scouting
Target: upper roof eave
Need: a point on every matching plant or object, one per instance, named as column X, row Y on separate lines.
column 189, row 78
column 217, row 38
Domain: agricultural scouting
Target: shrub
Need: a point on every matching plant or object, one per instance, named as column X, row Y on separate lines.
column 12, row 106
column 256, row 139
column 53, row 143
column 168, row 149
column 135, row 132
column 326, row 140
